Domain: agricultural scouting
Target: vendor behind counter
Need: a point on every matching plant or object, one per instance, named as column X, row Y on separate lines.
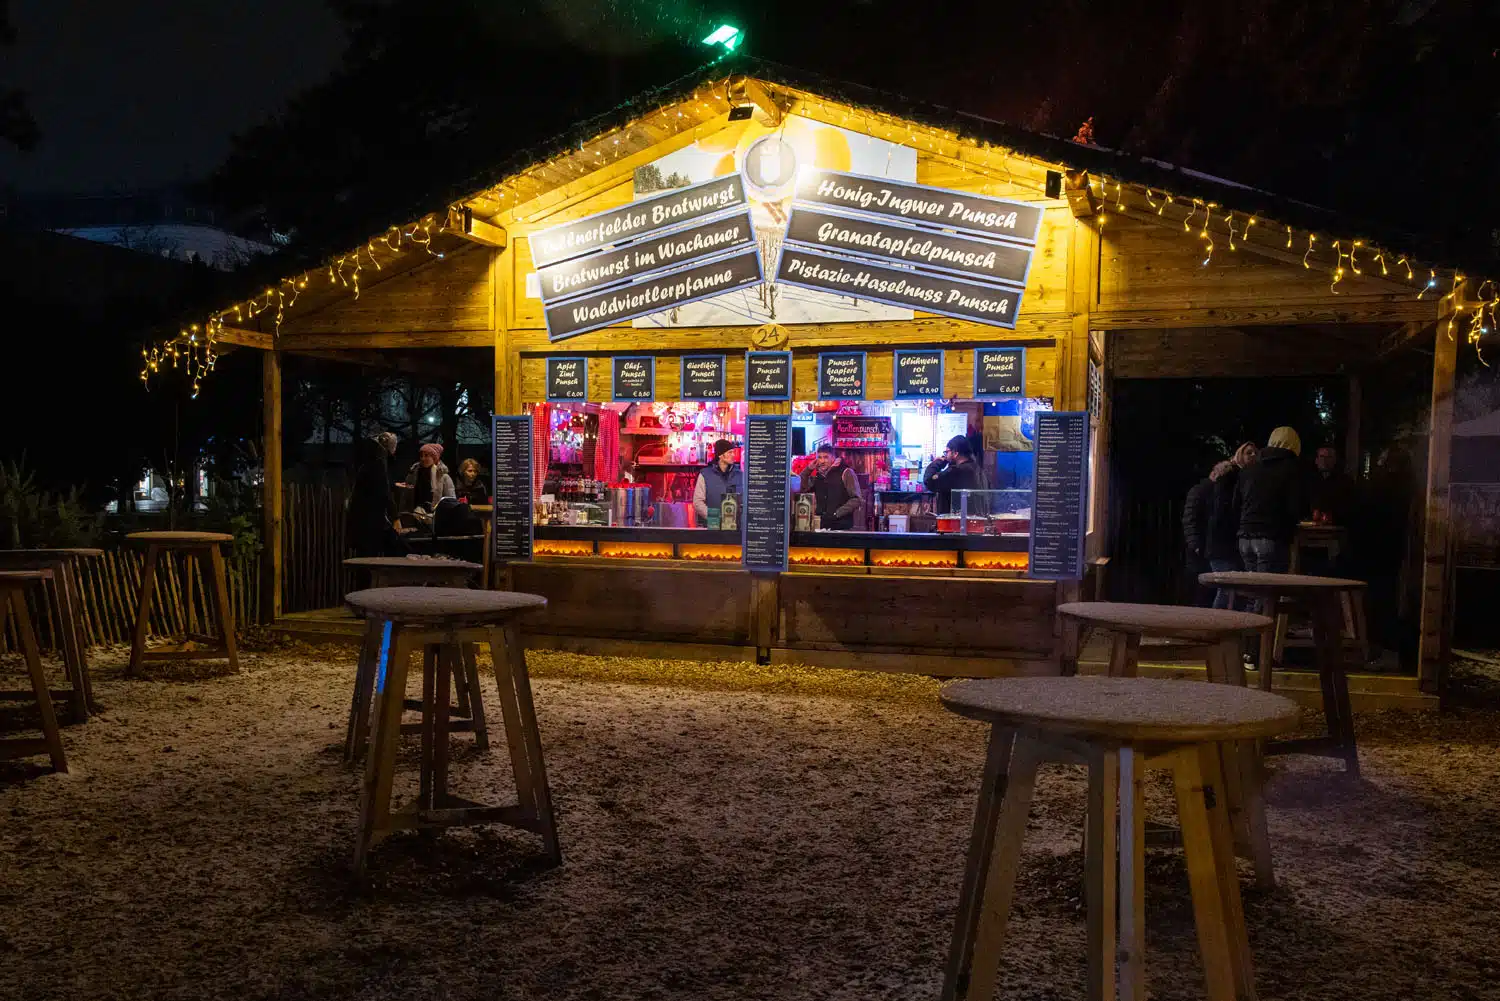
column 955, row 470
column 836, row 490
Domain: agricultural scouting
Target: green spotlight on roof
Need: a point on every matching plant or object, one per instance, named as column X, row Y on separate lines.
column 726, row 35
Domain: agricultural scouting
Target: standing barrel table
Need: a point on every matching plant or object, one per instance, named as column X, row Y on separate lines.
column 62, row 566
column 203, row 547
column 406, row 571
column 1323, row 598
column 439, row 620
column 1117, row 727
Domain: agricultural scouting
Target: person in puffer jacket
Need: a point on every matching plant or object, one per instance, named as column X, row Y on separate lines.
column 1269, row 504
column 430, row 483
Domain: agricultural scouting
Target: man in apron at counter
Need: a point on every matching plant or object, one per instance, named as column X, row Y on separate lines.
column 716, row 479
column 836, row 488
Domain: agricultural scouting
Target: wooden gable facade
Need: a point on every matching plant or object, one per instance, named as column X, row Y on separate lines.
column 1133, row 280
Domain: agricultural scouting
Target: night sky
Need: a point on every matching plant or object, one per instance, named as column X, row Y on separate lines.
column 149, row 92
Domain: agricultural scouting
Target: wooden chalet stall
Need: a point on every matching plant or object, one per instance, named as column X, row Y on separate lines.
column 1136, row 269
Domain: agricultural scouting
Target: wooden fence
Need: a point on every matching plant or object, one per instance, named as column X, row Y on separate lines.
column 313, row 548
column 107, row 594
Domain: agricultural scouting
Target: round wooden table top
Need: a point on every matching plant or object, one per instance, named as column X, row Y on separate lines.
column 407, row 563
column 448, row 606
column 1164, row 620
column 1130, row 709
column 1277, row 583
column 196, row 538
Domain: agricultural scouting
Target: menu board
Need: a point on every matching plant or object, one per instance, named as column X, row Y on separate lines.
column 841, row 375
column 703, row 377
column 652, row 294
column 919, row 375
column 768, row 375
column 945, row 295
column 987, row 260
column 999, row 373
column 629, row 222
column 1059, row 497
column 646, row 256
column 633, row 378
column 567, row 378
column 964, row 211
column 768, row 471
column 510, row 459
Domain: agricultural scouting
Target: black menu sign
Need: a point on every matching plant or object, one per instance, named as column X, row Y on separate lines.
column 841, row 375
column 768, row 375
column 652, row 294
column 567, row 379
column 510, row 458
column 918, row 203
column 999, row 373
column 768, row 470
column 648, row 255
column 703, row 377
column 919, row 374
column 987, row 260
column 633, row 378
column 1059, row 497
column 683, row 205
column 946, row 295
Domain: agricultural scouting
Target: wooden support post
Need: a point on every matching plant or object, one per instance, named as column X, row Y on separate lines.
column 271, row 499
column 1431, row 652
column 1083, row 293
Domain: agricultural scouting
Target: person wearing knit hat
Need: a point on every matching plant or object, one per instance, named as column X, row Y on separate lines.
column 1269, row 500
column 956, row 470
column 430, row 482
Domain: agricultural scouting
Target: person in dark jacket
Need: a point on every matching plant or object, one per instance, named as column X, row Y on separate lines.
column 835, row 488
column 956, row 470
column 1196, row 511
column 471, row 486
column 1221, row 534
column 716, row 479
column 1268, row 500
column 372, row 508
column 1332, row 492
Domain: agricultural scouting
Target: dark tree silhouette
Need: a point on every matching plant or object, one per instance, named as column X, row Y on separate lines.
column 17, row 127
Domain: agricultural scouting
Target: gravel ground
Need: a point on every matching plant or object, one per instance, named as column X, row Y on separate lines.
column 729, row 832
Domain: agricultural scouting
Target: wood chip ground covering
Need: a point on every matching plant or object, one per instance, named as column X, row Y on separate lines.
column 729, row 831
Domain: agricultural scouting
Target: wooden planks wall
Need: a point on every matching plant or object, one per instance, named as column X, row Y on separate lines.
column 1224, row 352
column 448, row 293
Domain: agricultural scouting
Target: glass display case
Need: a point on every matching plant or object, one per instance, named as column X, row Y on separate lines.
column 988, row 512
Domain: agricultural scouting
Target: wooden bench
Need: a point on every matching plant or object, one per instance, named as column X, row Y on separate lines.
column 203, row 547
column 1117, row 727
column 13, row 585
column 441, row 622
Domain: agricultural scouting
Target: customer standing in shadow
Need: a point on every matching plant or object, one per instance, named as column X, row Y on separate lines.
column 1268, row 502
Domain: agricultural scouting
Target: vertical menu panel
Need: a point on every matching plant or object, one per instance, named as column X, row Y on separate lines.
column 768, row 470
column 510, row 459
column 1059, row 498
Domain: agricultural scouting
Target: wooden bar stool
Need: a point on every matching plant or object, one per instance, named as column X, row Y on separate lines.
column 441, row 621
column 403, row 571
column 1212, row 635
column 61, row 565
column 1323, row 599
column 204, row 547
column 13, row 585
column 1118, row 727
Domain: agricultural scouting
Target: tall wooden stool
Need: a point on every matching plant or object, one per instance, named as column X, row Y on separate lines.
column 441, row 621
column 401, row 571
column 1213, row 636
column 204, row 547
column 1322, row 597
column 1118, row 727
column 61, row 564
column 13, row 584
